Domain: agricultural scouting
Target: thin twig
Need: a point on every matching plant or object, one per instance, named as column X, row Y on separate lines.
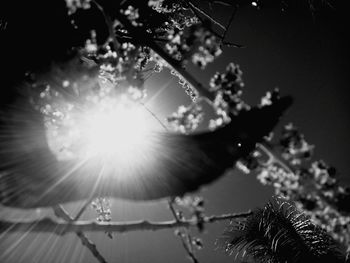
column 230, row 22
column 154, row 116
column 62, row 213
column 185, row 237
column 201, row 11
column 188, row 250
column 110, row 26
column 173, row 210
column 60, row 228
column 226, row 43
column 83, row 208
column 273, row 159
column 218, row 2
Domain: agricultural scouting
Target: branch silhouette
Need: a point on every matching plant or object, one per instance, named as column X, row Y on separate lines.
column 62, row 213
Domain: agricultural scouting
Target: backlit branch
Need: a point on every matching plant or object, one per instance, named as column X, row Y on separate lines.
column 49, row 225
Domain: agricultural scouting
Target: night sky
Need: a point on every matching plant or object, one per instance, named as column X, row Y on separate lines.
column 305, row 57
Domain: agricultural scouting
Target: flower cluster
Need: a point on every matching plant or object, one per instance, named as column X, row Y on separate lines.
column 195, row 43
column 175, row 45
column 176, row 11
column 194, row 205
column 102, row 207
column 281, row 180
column 186, row 86
column 74, row 5
column 186, row 119
column 208, row 47
column 227, row 87
column 124, row 66
column 294, row 147
column 133, row 14
column 269, row 98
column 164, row 6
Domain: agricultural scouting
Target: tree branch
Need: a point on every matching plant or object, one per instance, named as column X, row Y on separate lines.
column 185, row 243
column 186, row 239
column 140, row 36
column 49, row 225
column 61, row 213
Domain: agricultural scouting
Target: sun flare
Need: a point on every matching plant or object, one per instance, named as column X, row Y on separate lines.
column 115, row 129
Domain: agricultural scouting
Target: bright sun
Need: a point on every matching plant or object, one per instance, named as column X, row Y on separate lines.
column 115, row 129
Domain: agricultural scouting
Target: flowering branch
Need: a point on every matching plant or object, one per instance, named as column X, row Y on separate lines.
column 138, row 34
column 61, row 228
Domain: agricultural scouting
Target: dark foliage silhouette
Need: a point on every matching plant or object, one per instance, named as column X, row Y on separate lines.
column 280, row 233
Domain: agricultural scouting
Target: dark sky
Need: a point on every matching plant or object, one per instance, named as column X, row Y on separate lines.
column 305, row 58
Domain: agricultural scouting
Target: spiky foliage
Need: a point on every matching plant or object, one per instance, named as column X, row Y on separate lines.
column 279, row 233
